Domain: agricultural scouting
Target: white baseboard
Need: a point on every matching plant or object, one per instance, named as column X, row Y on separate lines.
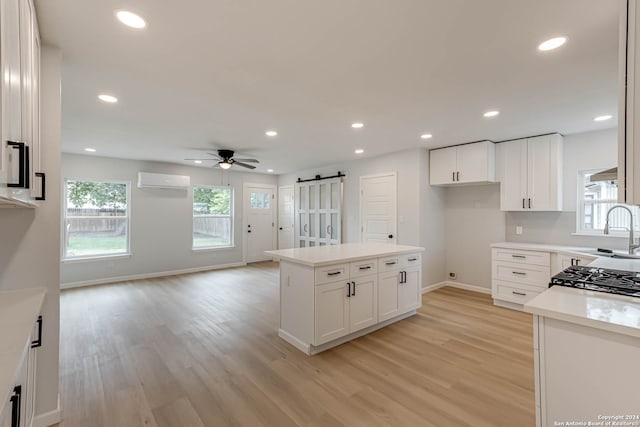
column 148, row 275
column 474, row 288
column 48, row 418
column 300, row 345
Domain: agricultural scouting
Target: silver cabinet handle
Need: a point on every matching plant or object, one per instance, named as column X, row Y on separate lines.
column 519, row 256
column 519, row 273
column 390, row 263
column 412, row 259
column 368, row 267
column 522, row 294
column 334, row 273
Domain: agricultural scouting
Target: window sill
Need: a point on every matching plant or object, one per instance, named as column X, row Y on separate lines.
column 601, row 235
column 212, row 248
column 95, row 258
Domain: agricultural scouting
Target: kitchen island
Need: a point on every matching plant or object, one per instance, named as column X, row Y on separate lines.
column 333, row 294
column 587, row 353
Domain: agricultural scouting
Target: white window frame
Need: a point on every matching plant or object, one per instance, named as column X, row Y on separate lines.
column 231, row 217
column 580, row 205
column 126, row 253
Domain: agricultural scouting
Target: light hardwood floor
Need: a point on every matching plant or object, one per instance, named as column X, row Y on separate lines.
column 203, row 350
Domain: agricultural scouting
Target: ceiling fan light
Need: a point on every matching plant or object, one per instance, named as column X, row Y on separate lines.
column 224, row 165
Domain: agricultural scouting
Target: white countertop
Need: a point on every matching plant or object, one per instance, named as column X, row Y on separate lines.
column 323, row 255
column 19, row 311
column 543, row 247
column 614, row 313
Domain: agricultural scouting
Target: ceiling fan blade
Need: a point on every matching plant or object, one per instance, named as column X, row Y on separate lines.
column 215, row 155
column 246, row 160
column 207, row 158
column 244, row 165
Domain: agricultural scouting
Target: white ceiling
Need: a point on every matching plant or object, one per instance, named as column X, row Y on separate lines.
column 220, row 73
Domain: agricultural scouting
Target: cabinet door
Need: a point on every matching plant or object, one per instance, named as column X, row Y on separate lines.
column 409, row 296
column 544, row 173
column 475, row 162
column 442, row 166
column 5, row 414
column 363, row 303
column 331, row 311
column 512, row 164
column 388, row 295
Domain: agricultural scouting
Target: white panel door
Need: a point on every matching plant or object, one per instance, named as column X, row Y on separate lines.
column 378, row 201
column 512, row 163
column 442, row 166
column 363, row 303
column 332, row 311
column 259, row 221
column 285, row 217
column 472, row 163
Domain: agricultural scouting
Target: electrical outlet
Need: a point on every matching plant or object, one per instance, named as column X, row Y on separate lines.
column 519, row 229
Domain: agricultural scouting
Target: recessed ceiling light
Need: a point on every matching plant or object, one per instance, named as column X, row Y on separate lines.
column 491, row 113
column 270, row 170
column 359, row 151
column 602, row 118
column 551, row 44
column 197, row 161
column 90, row 150
column 357, row 125
column 107, row 98
column 271, row 133
column 130, row 19
column 426, row 136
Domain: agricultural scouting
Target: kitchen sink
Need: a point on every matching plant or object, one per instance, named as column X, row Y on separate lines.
column 617, row 255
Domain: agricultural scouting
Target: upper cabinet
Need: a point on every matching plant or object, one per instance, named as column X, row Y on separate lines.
column 462, row 164
column 21, row 178
column 628, row 106
column 530, row 173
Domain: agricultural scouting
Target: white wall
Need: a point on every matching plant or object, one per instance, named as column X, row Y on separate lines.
column 419, row 205
column 473, row 221
column 161, row 220
column 29, row 253
column 590, row 150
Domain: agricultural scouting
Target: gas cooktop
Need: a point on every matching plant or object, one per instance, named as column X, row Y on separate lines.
column 599, row 279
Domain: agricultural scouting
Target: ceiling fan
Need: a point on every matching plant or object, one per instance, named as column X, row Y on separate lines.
column 225, row 160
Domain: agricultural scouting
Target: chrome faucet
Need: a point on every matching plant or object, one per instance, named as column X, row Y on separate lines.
column 632, row 245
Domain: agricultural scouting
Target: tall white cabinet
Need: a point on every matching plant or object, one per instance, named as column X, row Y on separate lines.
column 530, row 173
column 318, row 213
column 21, row 180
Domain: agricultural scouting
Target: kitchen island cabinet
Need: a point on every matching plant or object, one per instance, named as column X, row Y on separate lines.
column 586, row 349
column 333, row 294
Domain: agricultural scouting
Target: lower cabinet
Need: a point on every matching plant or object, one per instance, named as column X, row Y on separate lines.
column 561, row 262
column 345, row 307
column 18, row 410
column 398, row 292
column 518, row 275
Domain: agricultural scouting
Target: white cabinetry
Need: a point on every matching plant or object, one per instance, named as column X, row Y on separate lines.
column 518, row 275
column 530, row 173
column 21, row 180
column 326, row 305
column 462, row 164
column 399, row 285
column 318, row 210
column 561, row 261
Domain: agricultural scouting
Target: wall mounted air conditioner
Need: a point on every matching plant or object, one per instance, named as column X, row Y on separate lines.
column 161, row 180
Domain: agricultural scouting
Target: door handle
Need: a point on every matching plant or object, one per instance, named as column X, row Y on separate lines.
column 23, row 163
column 280, row 228
column 453, row 176
column 43, row 187
column 390, row 236
column 348, row 289
column 529, row 203
column 15, row 406
column 457, row 176
column 523, row 204
column 353, row 294
column 38, row 342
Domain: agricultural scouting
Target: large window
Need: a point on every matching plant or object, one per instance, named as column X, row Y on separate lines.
column 594, row 201
column 96, row 219
column 212, row 217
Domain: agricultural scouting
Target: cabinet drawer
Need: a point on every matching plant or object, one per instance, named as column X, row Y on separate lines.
column 513, row 292
column 535, row 275
column 389, row 263
column 410, row 260
column 363, row 268
column 523, row 257
column 331, row 273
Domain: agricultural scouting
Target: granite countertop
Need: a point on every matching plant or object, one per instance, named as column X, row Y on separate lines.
column 324, row 255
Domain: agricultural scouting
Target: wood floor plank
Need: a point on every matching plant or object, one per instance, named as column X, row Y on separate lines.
column 202, row 350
